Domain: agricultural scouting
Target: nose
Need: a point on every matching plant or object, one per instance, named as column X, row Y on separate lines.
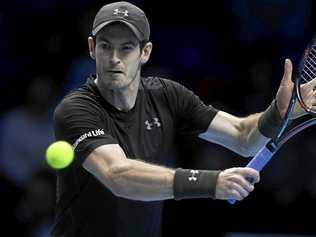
column 114, row 58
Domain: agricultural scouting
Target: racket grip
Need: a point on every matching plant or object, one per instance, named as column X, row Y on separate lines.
column 259, row 161
column 231, row 201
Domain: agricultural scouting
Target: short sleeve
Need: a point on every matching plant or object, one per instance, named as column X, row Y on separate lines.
column 193, row 116
column 79, row 122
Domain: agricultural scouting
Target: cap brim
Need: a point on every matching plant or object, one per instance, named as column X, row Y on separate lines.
column 132, row 27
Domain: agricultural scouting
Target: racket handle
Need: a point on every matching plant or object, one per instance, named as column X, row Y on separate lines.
column 259, row 161
column 231, row 201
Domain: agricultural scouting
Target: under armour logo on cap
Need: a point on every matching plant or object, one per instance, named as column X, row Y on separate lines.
column 125, row 13
column 193, row 175
column 120, row 13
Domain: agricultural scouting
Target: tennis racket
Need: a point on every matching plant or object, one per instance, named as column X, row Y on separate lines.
column 304, row 92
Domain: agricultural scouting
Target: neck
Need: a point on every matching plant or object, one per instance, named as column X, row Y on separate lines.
column 122, row 99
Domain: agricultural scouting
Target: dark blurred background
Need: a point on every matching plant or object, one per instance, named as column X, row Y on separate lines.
column 229, row 52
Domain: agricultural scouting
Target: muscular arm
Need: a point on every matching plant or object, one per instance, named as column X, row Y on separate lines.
column 129, row 178
column 240, row 135
column 137, row 180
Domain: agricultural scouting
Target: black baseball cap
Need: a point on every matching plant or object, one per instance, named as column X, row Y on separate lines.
column 126, row 13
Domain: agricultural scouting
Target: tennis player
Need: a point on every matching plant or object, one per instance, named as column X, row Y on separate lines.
column 123, row 126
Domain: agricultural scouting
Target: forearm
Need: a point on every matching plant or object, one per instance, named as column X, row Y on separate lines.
column 129, row 178
column 138, row 180
column 240, row 135
column 263, row 127
column 250, row 135
column 142, row 181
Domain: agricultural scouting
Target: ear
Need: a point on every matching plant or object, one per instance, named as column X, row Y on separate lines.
column 146, row 52
column 91, row 45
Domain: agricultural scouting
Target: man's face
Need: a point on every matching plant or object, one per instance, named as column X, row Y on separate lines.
column 117, row 56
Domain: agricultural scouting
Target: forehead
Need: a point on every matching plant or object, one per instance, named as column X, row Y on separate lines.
column 116, row 32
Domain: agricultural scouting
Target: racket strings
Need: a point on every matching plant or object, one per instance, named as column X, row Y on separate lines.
column 309, row 69
column 308, row 74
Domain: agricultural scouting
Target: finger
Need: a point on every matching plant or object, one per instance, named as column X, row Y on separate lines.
column 249, row 173
column 245, row 184
column 235, row 195
column 253, row 178
column 311, row 84
column 240, row 190
column 309, row 98
column 311, row 93
column 287, row 76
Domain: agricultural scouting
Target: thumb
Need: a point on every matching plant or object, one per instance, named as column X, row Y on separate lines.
column 287, row 76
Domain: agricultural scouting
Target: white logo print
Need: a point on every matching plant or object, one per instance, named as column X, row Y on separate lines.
column 193, row 177
column 155, row 122
column 148, row 125
column 121, row 13
column 94, row 133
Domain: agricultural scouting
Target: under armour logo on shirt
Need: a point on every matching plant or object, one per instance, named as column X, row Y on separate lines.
column 120, row 13
column 154, row 123
column 193, row 175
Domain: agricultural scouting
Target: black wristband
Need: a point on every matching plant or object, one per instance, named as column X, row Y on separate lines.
column 194, row 183
column 270, row 121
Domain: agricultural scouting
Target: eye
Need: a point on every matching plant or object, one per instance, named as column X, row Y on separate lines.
column 104, row 46
column 127, row 47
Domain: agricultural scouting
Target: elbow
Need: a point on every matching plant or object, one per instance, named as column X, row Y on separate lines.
column 115, row 188
column 119, row 191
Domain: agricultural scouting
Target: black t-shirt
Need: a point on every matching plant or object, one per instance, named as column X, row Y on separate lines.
column 163, row 109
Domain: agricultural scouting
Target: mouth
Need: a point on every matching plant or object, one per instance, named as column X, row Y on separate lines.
column 115, row 71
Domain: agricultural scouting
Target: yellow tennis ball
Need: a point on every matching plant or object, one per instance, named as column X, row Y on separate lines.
column 59, row 154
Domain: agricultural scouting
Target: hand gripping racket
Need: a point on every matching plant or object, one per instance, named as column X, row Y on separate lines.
column 304, row 81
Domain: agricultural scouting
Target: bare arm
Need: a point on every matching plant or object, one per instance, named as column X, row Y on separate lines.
column 137, row 180
column 240, row 135
column 129, row 178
